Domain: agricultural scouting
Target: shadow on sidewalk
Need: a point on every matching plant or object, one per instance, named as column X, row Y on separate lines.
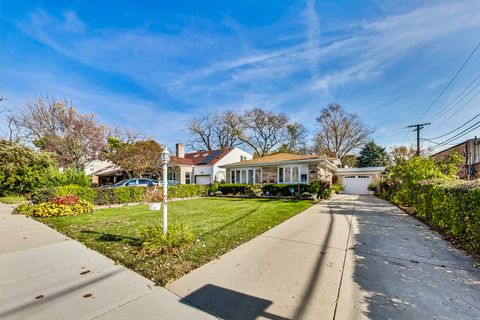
column 229, row 304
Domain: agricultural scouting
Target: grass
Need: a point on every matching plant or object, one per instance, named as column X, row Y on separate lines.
column 12, row 199
column 218, row 224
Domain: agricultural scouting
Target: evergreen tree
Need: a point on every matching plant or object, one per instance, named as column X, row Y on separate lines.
column 373, row 155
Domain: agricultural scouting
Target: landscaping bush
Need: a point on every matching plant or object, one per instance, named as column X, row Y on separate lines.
column 50, row 209
column 105, row 196
column 154, row 240
column 22, row 170
column 338, row 188
column 321, row 188
column 43, row 195
column 187, row 191
column 236, row 189
column 55, row 178
column 47, row 194
column 153, row 195
column 451, row 207
column 128, row 194
column 85, row 193
column 283, row 190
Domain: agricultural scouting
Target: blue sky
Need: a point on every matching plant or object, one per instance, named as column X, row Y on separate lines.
column 152, row 65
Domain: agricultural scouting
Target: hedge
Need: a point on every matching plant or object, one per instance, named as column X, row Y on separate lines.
column 283, row 190
column 233, row 189
column 116, row 195
column 453, row 208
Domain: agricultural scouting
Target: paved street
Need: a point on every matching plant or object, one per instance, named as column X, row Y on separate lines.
column 352, row 257
column 45, row 275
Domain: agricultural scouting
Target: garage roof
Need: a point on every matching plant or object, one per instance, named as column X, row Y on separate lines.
column 360, row 170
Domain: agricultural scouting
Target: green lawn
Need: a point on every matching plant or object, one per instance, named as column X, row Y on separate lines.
column 219, row 225
column 12, row 200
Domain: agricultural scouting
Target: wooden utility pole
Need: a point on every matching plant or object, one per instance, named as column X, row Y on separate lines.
column 418, row 127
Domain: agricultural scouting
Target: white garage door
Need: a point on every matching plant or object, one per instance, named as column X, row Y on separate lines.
column 202, row 179
column 356, row 184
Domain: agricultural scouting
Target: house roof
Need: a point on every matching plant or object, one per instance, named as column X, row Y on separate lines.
column 280, row 158
column 107, row 171
column 198, row 158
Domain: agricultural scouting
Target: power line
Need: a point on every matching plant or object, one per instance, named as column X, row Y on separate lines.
column 446, row 134
column 459, row 109
column 473, row 127
column 451, row 81
column 445, row 109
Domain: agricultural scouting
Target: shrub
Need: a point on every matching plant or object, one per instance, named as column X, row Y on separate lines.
column 47, row 194
column 22, row 169
column 54, row 178
column 451, row 207
column 50, row 209
column 153, row 195
column 128, row 194
column 338, row 188
column 236, row 189
column 67, row 200
column 321, row 188
column 373, row 186
column 105, row 196
column 84, row 193
column 283, row 190
column 154, row 240
column 187, row 191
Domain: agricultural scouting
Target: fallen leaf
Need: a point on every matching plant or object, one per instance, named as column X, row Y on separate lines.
column 84, row 272
column 88, row 295
column 40, row 296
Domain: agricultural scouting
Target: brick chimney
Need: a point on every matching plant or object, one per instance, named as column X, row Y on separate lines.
column 180, row 150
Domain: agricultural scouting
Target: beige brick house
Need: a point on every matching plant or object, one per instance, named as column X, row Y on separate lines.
column 286, row 168
column 282, row 168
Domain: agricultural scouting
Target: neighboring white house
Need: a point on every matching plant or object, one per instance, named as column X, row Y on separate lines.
column 95, row 165
column 203, row 167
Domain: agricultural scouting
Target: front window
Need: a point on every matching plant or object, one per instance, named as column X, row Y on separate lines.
column 244, row 176
column 237, row 176
column 280, row 175
column 188, row 178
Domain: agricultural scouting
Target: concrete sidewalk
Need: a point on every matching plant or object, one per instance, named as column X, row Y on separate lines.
column 46, row 275
column 352, row 257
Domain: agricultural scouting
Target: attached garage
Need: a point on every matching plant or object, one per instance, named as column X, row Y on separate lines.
column 202, row 179
column 356, row 184
column 356, row 180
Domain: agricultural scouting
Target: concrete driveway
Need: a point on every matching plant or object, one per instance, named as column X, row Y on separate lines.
column 352, row 257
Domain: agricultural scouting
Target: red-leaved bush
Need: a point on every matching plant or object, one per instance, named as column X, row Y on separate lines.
column 67, row 200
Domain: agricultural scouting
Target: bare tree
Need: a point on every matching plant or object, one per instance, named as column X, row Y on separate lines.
column 296, row 139
column 202, row 132
column 264, row 130
column 340, row 132
column 55, row 126
column 227, row 130
column 125, row 135
column 216, row 131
